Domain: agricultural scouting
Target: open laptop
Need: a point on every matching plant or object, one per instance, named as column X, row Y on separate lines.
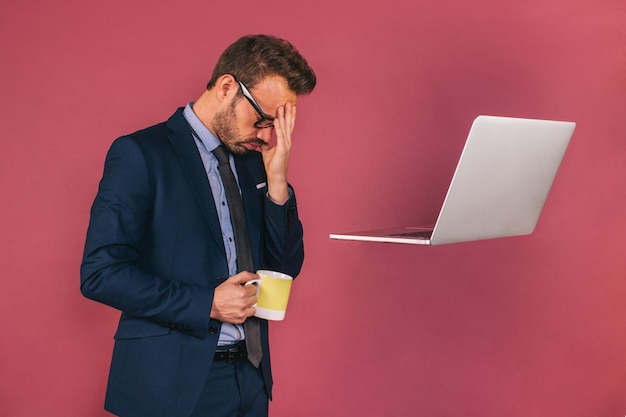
column 499, row 187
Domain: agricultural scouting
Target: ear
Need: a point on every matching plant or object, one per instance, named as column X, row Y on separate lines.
column 226, row 88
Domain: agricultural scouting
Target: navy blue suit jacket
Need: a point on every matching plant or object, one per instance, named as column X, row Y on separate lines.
column 154, row 250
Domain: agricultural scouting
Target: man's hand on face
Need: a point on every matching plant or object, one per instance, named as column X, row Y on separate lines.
column 276, row 158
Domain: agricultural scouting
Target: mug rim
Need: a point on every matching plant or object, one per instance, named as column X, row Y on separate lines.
column 274, row 274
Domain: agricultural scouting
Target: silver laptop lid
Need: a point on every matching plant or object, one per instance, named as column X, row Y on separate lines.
column 502, row 179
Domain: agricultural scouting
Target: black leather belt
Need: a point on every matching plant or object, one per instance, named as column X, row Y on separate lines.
column 231, row 353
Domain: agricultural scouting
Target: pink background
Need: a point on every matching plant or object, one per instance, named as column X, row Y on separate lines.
column 522, row 327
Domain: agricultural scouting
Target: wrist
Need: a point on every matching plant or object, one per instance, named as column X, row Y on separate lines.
column 278, row 193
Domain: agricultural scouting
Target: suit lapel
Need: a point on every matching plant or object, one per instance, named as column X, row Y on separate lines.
column 187, row 151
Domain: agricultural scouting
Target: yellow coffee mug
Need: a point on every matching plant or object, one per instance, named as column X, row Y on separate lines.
column 273, row 289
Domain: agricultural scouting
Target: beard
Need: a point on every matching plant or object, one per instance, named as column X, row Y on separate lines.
column 225, row 127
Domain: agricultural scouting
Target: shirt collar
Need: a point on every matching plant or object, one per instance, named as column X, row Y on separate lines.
column 199, row 130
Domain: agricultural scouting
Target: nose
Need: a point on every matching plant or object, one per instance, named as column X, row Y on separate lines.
column 265, row 134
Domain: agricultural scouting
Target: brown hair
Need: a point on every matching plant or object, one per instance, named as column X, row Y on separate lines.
column 252, row 58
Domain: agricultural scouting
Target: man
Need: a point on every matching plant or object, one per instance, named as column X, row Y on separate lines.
column 163, row 244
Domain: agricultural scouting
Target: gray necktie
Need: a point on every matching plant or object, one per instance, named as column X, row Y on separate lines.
column 242, row 246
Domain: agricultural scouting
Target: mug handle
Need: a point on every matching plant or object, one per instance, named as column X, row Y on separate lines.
column 257, row 284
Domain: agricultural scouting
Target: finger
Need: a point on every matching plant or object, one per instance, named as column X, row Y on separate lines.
column 286, row 120
column 291, row 122
column 286, row 117
column 242, row 277
column 281, row 119
column 250, row 292
column 251, row 311
column 279, row 125
column 290, row 117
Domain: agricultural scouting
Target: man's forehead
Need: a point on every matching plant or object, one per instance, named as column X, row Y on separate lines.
column 272, row 92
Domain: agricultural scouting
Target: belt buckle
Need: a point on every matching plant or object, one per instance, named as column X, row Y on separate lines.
column 236, row 354
column 232, row 355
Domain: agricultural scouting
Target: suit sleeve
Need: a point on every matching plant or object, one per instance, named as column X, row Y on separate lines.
column 112, row 271
column 284, row 238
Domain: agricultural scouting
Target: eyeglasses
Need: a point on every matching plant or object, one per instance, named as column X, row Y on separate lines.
column 265, row 121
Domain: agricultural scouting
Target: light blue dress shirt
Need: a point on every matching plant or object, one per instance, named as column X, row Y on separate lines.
column 207, row 142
